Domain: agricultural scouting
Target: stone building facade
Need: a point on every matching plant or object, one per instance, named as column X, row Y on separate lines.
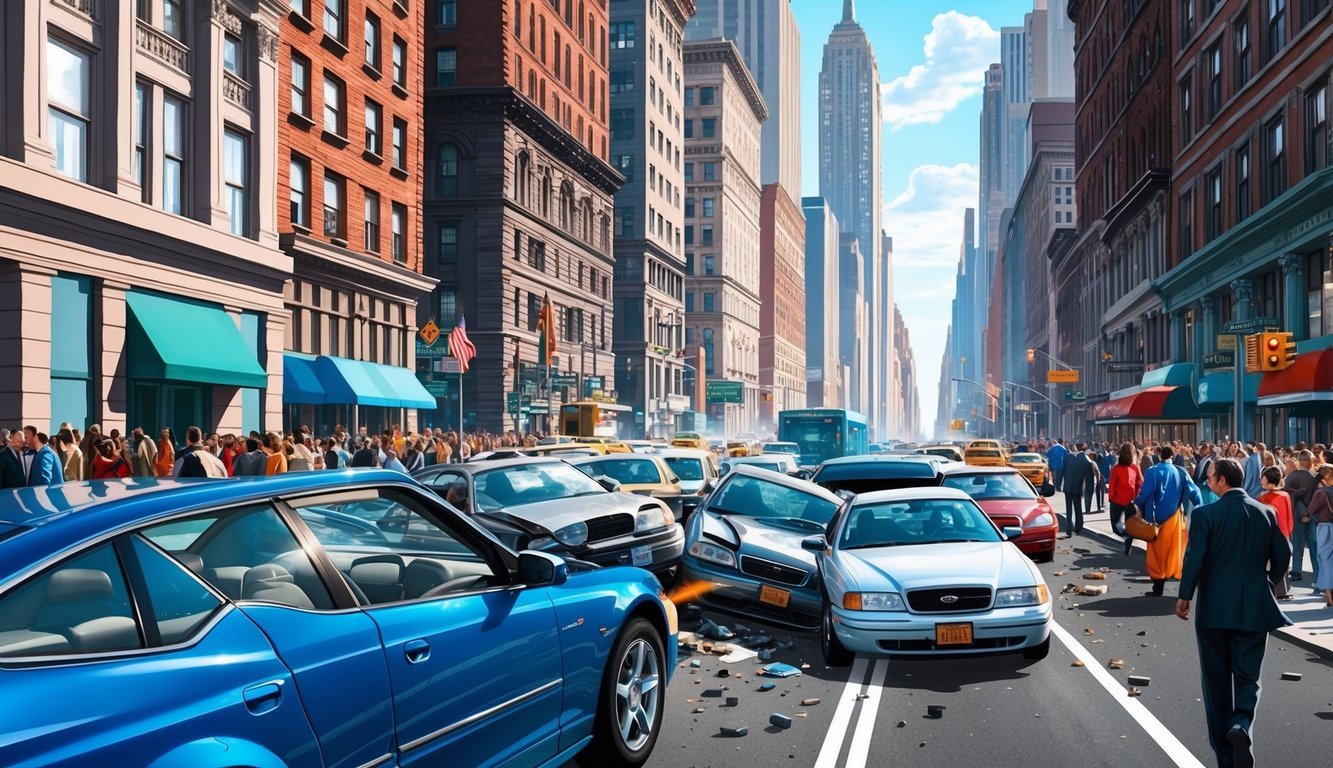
column 782, row 324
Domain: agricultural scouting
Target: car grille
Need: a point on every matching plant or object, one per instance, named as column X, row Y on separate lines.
column 610, row 526
column 930, row 600
column 929, row 645
column 770, row 571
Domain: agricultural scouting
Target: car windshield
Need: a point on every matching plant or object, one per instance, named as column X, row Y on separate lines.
column 686, row 468
column 945, row 452
column 991, row 486
column 531, row 484
column 915, row 522
column 626, row 471
column 771, row 466
column 757, row 497
column 1026, row 458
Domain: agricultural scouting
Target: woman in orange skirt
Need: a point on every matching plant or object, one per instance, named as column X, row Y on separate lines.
column 1165, row 489
column 166, row 454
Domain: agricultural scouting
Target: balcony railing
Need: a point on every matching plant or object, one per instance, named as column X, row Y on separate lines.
column 82, row 6
column 162, row 47
column 236, row 91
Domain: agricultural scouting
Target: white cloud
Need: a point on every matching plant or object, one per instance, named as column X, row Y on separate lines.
column 926, row 219
column 958, row 49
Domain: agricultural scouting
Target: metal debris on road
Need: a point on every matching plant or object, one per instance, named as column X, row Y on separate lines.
column 935, row 711
column 1292, row 676
column 734, row 730
column 1115, row 664
column 778, row 669
column 766, row 687
column 1075, row 663
column 809, row 702
column 1139, row 681
column 780, row 720
column 1135, row 692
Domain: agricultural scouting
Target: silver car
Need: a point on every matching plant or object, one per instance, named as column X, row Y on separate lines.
column 924, row 571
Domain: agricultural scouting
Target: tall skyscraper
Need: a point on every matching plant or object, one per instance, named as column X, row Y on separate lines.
column 782, row 287
column 647, row 144
column 822, row 330
column 1059, row 51
column 851, row 181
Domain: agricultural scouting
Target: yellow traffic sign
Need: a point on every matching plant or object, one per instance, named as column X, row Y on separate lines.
column 429, row 332
column 1061, row 376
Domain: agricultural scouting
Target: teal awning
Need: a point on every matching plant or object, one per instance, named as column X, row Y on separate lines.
column 178, row 340
column 1173, row 375
column 1217, row 391
column 356, row 382
column 300, row 380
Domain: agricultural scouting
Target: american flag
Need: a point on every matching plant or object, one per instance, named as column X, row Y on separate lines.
column 460, row 346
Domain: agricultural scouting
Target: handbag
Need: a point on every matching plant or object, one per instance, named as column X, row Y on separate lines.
column 1137, row 527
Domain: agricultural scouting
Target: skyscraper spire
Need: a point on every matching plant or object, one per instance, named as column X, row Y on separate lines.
column 849, row 11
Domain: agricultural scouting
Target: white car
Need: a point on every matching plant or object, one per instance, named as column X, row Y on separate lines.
column 923, row 571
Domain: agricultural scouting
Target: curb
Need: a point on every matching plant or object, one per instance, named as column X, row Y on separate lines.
column 1285, row 633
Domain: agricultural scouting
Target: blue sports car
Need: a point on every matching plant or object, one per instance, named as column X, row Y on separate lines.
column 315, row 619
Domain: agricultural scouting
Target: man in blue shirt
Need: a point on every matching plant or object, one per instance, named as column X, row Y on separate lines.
column 1254, row 464
column 43, row 465
column 1055, row 457
column 1166, row 488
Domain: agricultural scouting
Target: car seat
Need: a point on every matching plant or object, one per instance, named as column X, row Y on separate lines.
column 273, row 584
column 81, row 605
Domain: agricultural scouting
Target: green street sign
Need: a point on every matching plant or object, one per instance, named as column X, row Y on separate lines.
column 437, row 388
column 721, row 391
column 512, row 400
column 565, row 380
column 432, row 351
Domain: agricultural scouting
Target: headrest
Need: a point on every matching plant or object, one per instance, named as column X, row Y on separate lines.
column 77, row 584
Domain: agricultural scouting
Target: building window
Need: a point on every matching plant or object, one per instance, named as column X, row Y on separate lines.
column 372, row 244
column 446, row 12
column 398, row 232
column 1212, row 205
column 708, row 265
column 448, row 252
column 1186, row 225
column 446, row 67
column 333, row 19
column 399, row 143
column 689, row 129
column 236, row 161
column 534, row 310
column 622, row 34
column 689, row 304
column 399, row 62
column 689, row 97
column 374, row 137
column 142, row 102
column 1275, row 155
column 173, row 19
column 333, row 205
column 372, row 41
column 708, row 127
column 706, row 234
column 710, row 171
column 709, row 299
column 689, row 171
column 1186, row 22
column 301, row 7
column 300, row 84
column 233, row 54
column 707, row 96
column 708, row 207
column 300, row 191
column 689, row 207
column 710, row 366
column 1241, row 34
column 1243, row 173
column 448, row 170
column 67, row 108
column 1316, row 130
column 1275, row 34
column 173, row 155
column 334, row 121
column 1186, row 110
column 1214, row 56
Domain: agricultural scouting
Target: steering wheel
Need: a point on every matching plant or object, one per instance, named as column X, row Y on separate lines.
column 943, row 529
column 458, row 584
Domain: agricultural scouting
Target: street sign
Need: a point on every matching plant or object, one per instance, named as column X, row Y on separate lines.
column 1124, row 367
column 1074, row 396
column 429, row 332
column 437, row 388
column 592, row 384
column 431, row 351
column 1061, row 376
column 1220, row 361
column 1226, row 342
column 1253, row 325
column 720, row 391
column 956, row 425
column 565, row 380
column 447, row 365
column 513, row 400
column 1022, row 407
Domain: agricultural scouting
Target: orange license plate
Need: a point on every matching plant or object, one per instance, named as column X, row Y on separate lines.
column 780, row 597
column 953, row 634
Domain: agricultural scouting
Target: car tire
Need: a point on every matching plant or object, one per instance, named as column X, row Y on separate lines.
column 637, row 652
column 1038, row 652
column 835, row 654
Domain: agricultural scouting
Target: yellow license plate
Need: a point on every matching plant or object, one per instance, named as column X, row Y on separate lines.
column 779, row 597
column 953, row 634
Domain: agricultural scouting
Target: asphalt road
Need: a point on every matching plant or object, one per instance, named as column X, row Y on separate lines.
column 1001, row 710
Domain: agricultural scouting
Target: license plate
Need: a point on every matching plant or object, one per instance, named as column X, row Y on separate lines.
column 774, row 596
column 953, row 634
column 642, row 555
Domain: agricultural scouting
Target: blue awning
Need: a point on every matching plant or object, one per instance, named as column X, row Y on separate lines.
column 300, row 380
column 1172, row 375
column 177, row 339
column 356, row 382
column 1217, row 391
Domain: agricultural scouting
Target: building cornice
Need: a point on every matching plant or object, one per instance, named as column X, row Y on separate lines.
column 719, row 51
column 359, row 269
column 681, row 10
column 1139, row 197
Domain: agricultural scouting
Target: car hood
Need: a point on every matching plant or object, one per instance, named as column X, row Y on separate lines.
column 907, row 567
column 1020, row 508
column 557, row 513
column 753, row 534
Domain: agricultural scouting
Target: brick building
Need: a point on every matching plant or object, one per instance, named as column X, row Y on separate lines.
column 349, row 210
column 781, row 305
column 518, row 196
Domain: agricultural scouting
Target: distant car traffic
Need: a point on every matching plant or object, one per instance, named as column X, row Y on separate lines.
column 312, row 619
column 643, row 475
column 776, row 446
column 985, row 457
column 698, row 475
column 950, row 452
column 923, row 571
column 1032, row 465
column 1009, row 500
column 783, row 463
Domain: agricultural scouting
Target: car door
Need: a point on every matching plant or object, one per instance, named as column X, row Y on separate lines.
column 122, row 657
column 259, row 556
column 474, row 660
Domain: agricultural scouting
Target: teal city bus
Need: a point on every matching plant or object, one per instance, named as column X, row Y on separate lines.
column 824, row 433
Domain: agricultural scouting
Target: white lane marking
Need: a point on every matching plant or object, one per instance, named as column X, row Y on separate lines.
column 865, row 722
column 1179, row 753
column 842, row 716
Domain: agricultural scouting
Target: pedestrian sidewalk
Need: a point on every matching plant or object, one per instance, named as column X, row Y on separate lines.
column 1313, row 622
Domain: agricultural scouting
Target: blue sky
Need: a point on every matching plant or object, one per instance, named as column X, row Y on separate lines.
column 932, row 60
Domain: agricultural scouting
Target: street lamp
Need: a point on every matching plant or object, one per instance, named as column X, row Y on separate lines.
column 989, row 396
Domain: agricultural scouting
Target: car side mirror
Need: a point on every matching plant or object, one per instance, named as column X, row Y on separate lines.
column 1011, row 532
column 541, row 569
column 609, row 483
column 802, row 474
column 816, row 543
column 1048, row 490
column 707, row 487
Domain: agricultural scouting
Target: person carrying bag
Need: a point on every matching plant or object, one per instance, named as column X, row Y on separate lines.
column 1161, row 521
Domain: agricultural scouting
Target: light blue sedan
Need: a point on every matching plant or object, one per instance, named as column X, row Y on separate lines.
column 924, row 571
column 313, row 619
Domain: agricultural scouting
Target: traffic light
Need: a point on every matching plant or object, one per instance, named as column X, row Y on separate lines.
column 1252, row 362
column 1276, row 350
column 1032, row 355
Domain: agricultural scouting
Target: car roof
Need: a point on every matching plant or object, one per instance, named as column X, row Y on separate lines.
column 473, row 468
column 784, row 480
column 910, row 494
column 684, row 453
column 577, row 460
column 879, row 457
column 969, row 469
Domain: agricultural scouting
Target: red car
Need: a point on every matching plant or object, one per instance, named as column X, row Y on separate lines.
column 1009, row 499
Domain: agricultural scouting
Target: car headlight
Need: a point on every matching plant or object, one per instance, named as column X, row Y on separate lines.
column 573, row 535
column 1040, row 521
column 651, row 518
column 1020, row 596
column 713, row 553
column 873, row 601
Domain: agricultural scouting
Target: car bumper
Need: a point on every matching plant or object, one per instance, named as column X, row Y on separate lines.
column 731, row 591
column 909, row 634
column 1037, row 541
column 657, row 552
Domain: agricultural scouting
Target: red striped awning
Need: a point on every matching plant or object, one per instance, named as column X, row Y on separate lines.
column 1309, row 378
column 1150, row 404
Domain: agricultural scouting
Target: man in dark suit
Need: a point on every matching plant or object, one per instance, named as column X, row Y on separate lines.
column 12, row 472
column 1078, row 477
column 1236, row 550
column 43, row 464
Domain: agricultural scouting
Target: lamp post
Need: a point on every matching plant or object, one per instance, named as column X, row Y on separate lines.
column 989, row 396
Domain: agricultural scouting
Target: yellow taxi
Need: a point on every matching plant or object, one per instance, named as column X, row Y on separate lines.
column 689, row 440
column 738, row 448
column 1030, row 465
column 577, row 449
column 985, row 453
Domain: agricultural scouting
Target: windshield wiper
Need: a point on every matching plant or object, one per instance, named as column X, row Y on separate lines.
column 881, row 544
column 957, row 541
